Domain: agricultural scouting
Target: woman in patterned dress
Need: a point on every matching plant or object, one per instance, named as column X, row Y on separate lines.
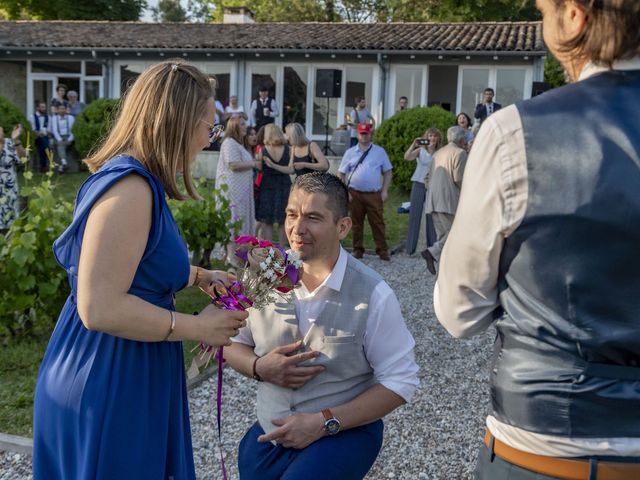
column 235, row 170
column 10, row 151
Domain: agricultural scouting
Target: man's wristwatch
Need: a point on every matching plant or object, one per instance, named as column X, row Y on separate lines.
column 331, row 423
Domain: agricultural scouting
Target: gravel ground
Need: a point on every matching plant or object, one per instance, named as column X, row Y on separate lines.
column 435, row 437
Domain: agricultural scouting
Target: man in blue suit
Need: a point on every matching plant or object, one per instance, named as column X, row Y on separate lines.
column 487, row 107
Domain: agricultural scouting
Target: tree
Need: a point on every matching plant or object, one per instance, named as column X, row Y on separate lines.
column 125, row 10
column 169, row 11
column 554, row 73
column 265, row 10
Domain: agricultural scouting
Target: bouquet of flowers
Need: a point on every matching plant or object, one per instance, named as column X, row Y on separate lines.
column 269, row 274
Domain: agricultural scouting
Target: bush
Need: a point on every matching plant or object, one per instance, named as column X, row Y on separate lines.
column 33, row 287
column 396, row 134
column 205, row 224
column 93, row 124
column 10, row 116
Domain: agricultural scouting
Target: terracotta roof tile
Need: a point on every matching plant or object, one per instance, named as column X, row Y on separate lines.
column 437, row 37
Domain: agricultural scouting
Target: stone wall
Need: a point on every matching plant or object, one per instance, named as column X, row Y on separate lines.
column 14, row 83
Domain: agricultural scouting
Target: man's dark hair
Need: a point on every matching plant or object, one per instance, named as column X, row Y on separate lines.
column 489, row 89
column 263, row 88
column 358, row 100
column 63, row 86
column 322, row 182
column 403, row 98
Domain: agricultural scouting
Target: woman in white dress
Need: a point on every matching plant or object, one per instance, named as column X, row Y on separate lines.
column 235, row 170
column 234, row 110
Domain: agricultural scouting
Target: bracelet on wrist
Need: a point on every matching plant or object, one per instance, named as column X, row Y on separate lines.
column 172, row 326
column 255, row 373
column 197, row 277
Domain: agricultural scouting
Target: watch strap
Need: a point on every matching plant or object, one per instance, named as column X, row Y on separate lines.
column 326, row 413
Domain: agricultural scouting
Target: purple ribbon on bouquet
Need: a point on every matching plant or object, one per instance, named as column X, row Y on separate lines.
column 231, row 298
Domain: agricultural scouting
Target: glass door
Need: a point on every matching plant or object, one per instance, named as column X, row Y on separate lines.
column 42, row 92
column 474, row 81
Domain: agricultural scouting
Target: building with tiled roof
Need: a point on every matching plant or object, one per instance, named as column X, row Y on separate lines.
column 448, row 64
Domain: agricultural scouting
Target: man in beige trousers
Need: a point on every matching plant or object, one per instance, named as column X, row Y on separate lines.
column 443, row 190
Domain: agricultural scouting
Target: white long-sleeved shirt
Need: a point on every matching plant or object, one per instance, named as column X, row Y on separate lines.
column 492, row 205
column 388, row 345
column 62, row 126
column 275, row 111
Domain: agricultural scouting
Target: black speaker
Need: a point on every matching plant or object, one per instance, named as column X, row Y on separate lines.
column 328, row 83
column 539, row 87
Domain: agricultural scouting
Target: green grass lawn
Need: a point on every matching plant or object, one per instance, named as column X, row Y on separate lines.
column 19, row 360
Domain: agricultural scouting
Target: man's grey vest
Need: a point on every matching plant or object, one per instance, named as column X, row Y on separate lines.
column 338, row 334
column 567, row 357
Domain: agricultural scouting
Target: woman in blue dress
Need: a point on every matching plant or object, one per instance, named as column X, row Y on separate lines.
column 111, row 399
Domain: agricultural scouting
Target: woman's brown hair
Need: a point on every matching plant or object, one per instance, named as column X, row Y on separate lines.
column 233, row 130
column 157, row 122
column 612, row 30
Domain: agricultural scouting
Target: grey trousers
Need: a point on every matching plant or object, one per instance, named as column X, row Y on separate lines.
column 492, row 467
column 418, row 194
column 442, row 222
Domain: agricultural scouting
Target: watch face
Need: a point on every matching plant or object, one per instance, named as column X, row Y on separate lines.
column 332, row 426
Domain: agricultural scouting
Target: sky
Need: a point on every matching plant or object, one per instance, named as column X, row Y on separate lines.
column 146, row 14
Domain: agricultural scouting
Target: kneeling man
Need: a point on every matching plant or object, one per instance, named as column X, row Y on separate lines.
column 332, row 362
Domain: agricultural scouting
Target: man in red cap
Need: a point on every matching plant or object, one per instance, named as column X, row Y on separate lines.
column 366, row 171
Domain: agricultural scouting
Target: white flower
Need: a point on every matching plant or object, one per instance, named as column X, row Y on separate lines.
column 264, row 265
column 268, row 260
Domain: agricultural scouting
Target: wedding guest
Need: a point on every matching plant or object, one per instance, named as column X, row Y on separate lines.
column 61, row 125
column 403, row 104
column 257, row 178
column 111, row 398
column 359, row 114
column 264, row 109
column 40, row 125
column 545, row 248
column 305, row 155
column 251, row 141
column 368, row 183
column 235, row 170
column 421, row 152
column 234, row 109
column 443, row 191
column 464, row 121
column 487, row 107
column 11, row 150
column 275, row 185
column 60, row 100
column 75, row 106
column 332, row 362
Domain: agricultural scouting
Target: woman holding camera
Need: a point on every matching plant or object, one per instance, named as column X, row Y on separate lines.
column 420, row 151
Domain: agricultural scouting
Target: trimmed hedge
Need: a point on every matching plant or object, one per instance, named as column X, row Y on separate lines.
column 10, row 116
column 93, row 124
column 396, row 134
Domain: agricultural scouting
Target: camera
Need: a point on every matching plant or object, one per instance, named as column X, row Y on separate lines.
column 423, row 142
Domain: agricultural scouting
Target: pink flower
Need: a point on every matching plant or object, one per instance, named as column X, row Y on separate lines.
column 246, row 239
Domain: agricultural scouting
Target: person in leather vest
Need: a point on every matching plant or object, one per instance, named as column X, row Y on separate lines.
column 551, row 196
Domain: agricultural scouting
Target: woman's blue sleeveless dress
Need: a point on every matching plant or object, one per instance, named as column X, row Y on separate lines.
column 107, row 407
